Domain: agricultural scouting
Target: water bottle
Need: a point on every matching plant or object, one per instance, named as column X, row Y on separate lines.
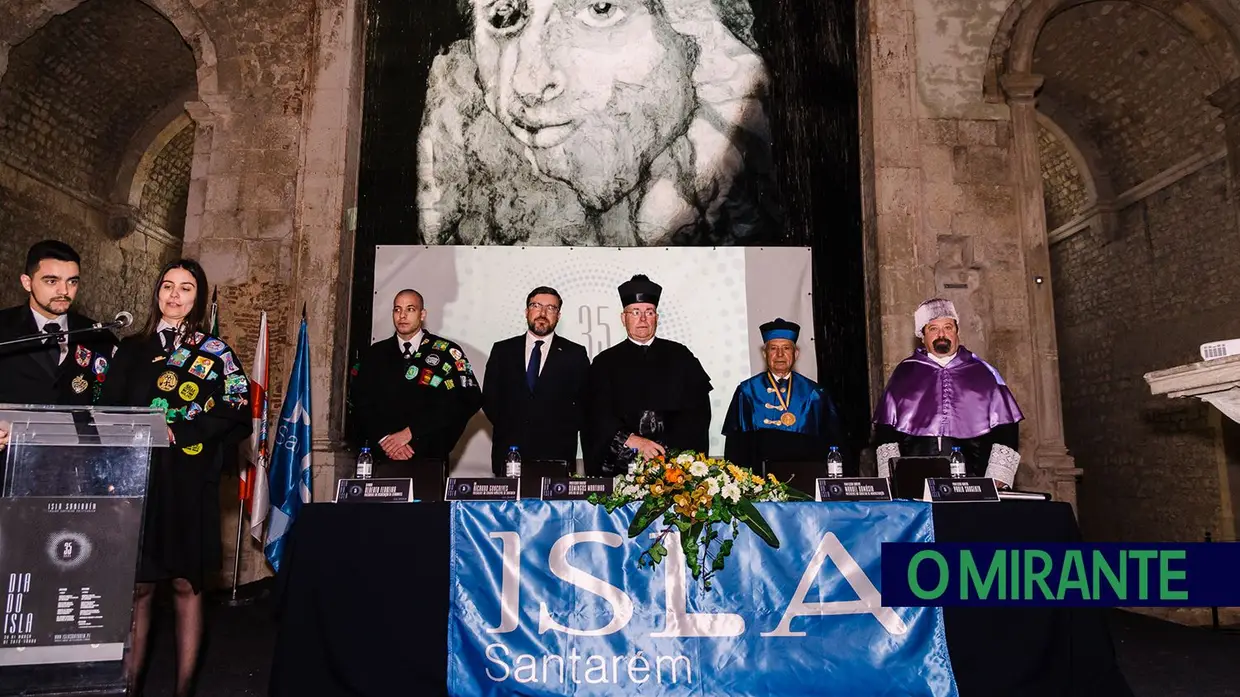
column 512, row 463
column 365, row 464
column 957, row 463
column 835, row 464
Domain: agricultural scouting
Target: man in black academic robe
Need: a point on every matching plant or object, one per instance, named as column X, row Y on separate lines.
column 416, row 392
column 66, row 371
column 647, row 395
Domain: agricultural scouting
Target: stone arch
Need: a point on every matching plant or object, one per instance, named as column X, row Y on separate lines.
column 145, row 145
column 1089, row 165
column 183, row 14
column 1214, row 24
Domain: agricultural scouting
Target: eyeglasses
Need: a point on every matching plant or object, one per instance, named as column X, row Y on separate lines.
column 551, row 309
column 636, row 314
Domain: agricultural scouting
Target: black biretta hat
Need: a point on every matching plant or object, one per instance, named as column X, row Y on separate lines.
column 640, row 289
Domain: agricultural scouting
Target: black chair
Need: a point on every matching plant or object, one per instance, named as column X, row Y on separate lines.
column 533, row 471
column 802, row 475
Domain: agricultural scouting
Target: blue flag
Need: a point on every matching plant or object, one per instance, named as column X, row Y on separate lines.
column 290, row 484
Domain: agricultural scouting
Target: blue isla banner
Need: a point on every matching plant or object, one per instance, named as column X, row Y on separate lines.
column 548, row 599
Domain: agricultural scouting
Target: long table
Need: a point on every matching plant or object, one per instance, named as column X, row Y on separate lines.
column 364, row 603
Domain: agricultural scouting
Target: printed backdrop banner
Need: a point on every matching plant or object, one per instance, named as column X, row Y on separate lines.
column 713, row 301
column 548, row 599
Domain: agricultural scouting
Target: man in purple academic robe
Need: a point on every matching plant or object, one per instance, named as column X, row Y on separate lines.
column 944, row 396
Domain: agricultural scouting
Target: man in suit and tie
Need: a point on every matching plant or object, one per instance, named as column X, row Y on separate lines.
column 58, row 370
column 534, row 387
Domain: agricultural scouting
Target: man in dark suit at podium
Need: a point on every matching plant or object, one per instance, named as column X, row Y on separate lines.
column 68, row 371
column 533, row 390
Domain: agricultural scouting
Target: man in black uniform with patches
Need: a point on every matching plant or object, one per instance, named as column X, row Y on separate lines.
column 55, row 371
column 647, row 395
column 415, row 391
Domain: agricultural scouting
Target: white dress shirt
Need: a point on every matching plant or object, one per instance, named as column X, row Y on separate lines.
column 61, row 321
column 942, row 360
column 530, row 338
column 414, row 342
column 642, row 343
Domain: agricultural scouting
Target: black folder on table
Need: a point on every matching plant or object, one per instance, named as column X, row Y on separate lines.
column 429, row 476
column 909, row 474
column 533, row 471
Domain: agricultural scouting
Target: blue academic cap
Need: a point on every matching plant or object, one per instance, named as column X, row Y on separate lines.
column 780, row 328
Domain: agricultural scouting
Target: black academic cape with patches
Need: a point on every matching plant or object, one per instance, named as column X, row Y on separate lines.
column 658, row 391
column 29, row 373
column 204, row 392
column 434, row 394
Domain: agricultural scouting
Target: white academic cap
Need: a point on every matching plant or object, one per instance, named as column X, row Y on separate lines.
column 931, row 310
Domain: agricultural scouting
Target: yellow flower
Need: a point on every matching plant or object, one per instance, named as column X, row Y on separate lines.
column 656, row 489
column 772, row 478
column 756, row 479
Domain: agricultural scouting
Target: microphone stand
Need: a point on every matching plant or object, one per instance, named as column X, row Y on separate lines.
column 43, row 336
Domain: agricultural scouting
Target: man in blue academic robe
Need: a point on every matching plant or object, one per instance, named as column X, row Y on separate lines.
column 779, row 414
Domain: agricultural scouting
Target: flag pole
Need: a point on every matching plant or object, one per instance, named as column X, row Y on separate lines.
column 233, row 602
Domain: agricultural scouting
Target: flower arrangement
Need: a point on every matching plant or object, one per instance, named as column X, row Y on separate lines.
column 696, row 494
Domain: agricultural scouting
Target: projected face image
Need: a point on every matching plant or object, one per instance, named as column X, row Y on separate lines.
column 597, row 122
column 594, row 89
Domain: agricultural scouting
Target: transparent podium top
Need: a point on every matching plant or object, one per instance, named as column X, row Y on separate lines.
column 78, row 451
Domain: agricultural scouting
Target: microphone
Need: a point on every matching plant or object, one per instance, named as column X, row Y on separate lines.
column 123, row 319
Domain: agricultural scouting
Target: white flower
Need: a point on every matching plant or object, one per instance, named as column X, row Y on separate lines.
column 732, row 492
column 698, row 469
column 712, row 486
column 684, row 459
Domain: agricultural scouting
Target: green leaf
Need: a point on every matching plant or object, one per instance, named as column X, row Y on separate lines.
column 649, row 512
column 750, row 516
column 689, row 543
column 657, row 552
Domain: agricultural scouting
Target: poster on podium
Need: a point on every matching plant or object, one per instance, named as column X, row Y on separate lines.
column 67, row 567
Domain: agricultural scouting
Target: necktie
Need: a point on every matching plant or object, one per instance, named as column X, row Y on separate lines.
column 783, row 385
column 408, row 352
column 169, row 338
column 531, row 370
column 52, row 355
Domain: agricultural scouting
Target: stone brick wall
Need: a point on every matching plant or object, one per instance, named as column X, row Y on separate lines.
column 1135, row 82
column 1063, row 186
column 167, row 187
column 1146, row 301
column 78, row 90
column 115, row 275
column 72, row 98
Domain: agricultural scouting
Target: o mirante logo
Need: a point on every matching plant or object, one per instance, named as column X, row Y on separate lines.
column 1031, row 574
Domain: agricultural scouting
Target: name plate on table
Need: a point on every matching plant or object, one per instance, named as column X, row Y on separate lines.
column 374, row 491
column 575, row 489
column 964, row 490
column 854, row 489
column 485, row 489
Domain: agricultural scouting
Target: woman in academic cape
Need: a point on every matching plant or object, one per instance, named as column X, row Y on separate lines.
column 198, row 382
